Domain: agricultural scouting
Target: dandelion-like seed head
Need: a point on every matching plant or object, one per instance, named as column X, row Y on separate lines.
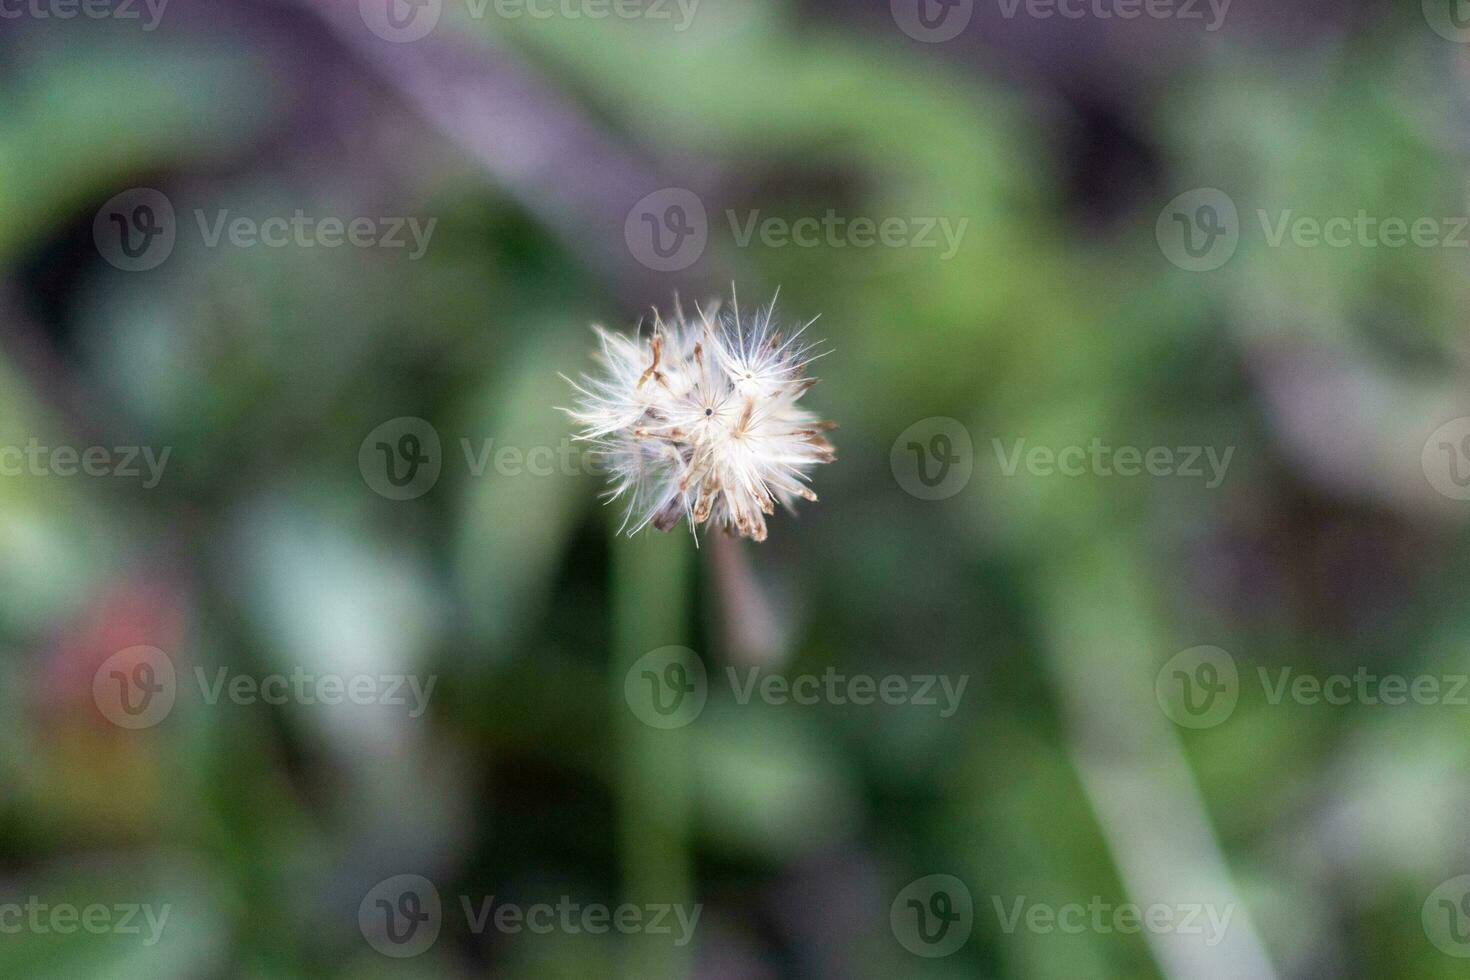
column 699, row 418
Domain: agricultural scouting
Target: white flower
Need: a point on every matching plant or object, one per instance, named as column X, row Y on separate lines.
column 700, row 419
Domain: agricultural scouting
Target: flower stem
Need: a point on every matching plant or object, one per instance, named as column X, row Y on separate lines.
column 651, row 596
column 752, row 633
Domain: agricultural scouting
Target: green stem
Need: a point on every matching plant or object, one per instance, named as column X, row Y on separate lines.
column 651, row 597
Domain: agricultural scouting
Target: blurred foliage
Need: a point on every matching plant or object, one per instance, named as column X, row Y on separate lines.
column 1058, row 321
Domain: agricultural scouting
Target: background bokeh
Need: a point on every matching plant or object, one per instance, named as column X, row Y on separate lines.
column 1117, row 184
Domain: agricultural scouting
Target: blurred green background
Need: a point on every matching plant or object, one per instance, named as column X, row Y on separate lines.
column 1058, row 147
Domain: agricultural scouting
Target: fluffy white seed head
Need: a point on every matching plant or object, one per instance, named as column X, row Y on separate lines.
column 699, row 418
